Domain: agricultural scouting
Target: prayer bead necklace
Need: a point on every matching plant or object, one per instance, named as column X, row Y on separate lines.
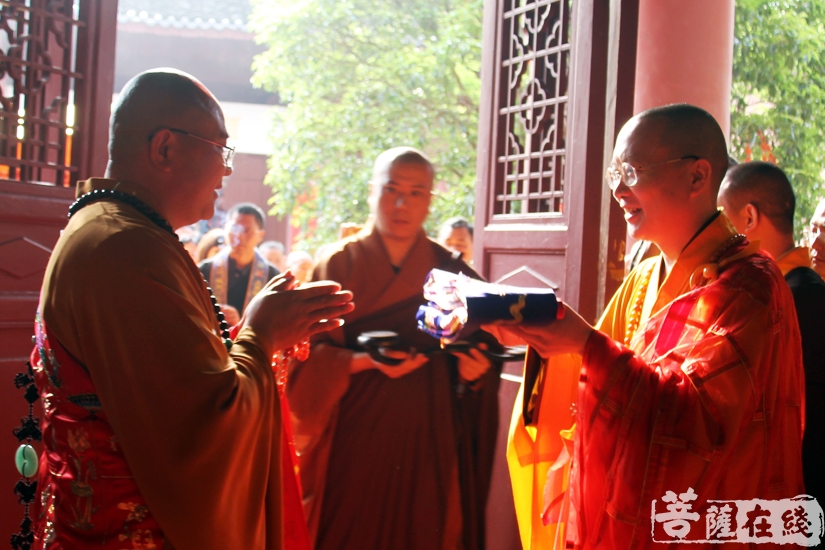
column 708, row 272
column 282, row 359
column 158, row 220
column 635, row 317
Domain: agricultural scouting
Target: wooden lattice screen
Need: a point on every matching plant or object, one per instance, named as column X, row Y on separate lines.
column 532, row 112
column 49, row 68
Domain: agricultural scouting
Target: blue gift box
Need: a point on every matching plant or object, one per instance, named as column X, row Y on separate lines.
column 458, row 305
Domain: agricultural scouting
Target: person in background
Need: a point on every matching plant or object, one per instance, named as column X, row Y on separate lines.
column 275, row 253
column 639, row 252
column 456, row 234
column 299, row 263
column 348, row 229
column 759, row 200
column 209, row 244
column 238, row 272
column 189, row 237
column 816, row 239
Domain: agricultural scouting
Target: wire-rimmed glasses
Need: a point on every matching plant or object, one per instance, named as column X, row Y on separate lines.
column 629, row 174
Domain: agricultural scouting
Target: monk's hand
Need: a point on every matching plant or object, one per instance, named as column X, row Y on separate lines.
column 283, row 315
column 504, row 337
column 473, row 365
column 362, row 361
column 562, row 336
column 230, row 314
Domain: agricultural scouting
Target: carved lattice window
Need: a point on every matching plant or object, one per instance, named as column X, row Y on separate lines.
column 37, row 79
column 533, row 107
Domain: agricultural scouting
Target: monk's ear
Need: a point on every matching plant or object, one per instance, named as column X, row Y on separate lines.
column 162, row 148
column 752, row 217
column 701, row 177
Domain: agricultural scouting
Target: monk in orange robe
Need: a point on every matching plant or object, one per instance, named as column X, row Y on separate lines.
column 693, row 377
column 759, row 200
column 156, row 434
column 393, row 456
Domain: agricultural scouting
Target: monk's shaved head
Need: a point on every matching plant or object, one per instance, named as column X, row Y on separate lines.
column 766, row 187
column 671, row 160
column 400, row 193
column 154, row 99
column 689, row 130
column 398, row 155
column 168, row 136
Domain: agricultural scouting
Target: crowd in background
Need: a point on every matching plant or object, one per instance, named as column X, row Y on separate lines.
column 205, row 239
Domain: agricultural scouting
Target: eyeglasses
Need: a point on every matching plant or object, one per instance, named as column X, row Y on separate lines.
column 629, row 173
column 228, row 153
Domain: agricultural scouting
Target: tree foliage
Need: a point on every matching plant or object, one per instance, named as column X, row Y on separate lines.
column 778, row 102
column 358, row 77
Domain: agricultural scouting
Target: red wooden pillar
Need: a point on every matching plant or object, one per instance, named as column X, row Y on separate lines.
column 685, row 54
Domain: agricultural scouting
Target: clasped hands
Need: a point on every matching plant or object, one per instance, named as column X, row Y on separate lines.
column 283, row 315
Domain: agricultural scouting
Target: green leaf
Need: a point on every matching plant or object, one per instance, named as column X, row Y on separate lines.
column 358, row 77
column 779, row 90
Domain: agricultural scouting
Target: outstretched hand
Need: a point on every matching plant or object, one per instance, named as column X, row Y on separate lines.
column 283, row 315
column 562, row 336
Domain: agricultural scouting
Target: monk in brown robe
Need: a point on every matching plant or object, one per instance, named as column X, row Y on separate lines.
column 156, row 434
column 393, row 457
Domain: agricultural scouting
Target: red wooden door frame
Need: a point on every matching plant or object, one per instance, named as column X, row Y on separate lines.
column 579, row 251
column 33, row 213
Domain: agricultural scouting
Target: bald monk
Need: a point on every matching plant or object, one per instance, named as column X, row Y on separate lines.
column 759, row 200
column 161, row 432
column 393, row 457
column 692, row 378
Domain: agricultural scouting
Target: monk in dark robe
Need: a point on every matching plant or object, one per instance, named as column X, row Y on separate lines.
column 393, row 457
column 760, row 202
